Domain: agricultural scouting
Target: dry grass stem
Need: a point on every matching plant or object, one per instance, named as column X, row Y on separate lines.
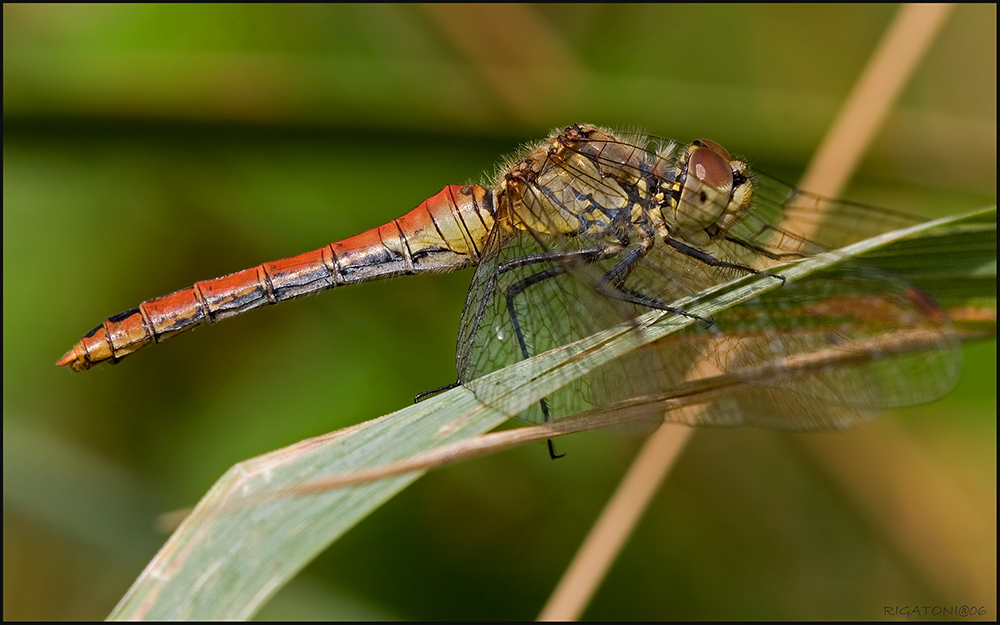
column 864, row 112
column 676, row 405
column 899, row 52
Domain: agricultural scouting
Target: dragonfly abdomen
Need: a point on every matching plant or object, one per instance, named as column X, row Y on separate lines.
column 445, row 232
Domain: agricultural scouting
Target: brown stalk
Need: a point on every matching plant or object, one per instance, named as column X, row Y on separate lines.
column 901, row 48
column 680, row 399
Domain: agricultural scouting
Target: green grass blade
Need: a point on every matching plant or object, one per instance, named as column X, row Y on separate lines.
column 253, row 532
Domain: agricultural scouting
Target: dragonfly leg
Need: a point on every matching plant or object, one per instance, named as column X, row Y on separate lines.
column 587, row 255
column 612, row 284
column 763, row 251
column 516, row 289
column 708, row 259
column 565, row 260
column 434, row 391
column 552, row 450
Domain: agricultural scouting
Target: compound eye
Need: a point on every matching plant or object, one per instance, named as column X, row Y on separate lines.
column 711, row 167
column 712, row 145
column 705, row 196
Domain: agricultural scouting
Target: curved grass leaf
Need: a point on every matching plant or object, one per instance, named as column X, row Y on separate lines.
column 267, row 517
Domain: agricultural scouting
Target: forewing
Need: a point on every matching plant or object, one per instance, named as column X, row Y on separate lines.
column 843, row 310
column 543, row 315
column 512, row 312
column 857, row 318
column 786, row 221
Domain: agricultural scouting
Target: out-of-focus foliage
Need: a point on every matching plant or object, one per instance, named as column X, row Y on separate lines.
column 147, row 147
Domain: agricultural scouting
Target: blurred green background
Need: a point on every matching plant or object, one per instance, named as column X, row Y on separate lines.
column 148, row 147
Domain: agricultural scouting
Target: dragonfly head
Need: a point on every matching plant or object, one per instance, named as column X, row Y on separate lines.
column 714, row 193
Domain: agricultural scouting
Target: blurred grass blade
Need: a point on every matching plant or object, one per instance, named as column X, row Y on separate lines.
column 252, row 532
column 238, row 547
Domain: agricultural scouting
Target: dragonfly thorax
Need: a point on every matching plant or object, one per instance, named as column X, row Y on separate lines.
column 582, row 181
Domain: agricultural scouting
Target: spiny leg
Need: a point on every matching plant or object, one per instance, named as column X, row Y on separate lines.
column 421, row 396
column 710, row 260
column 763, row 251
column 513, row 291
column 587, row 256
column 612, row 284
column 565, row 260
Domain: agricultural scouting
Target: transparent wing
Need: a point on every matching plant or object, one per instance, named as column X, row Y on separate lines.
column 537, row 289
column 845, row 315
column 508, row 316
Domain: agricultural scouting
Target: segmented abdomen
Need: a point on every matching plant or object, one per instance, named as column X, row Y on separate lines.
column 446, row 232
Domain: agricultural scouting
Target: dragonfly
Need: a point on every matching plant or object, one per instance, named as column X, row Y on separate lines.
column 590, row 228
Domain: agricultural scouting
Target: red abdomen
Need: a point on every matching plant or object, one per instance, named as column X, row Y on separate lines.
column 446, row 232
